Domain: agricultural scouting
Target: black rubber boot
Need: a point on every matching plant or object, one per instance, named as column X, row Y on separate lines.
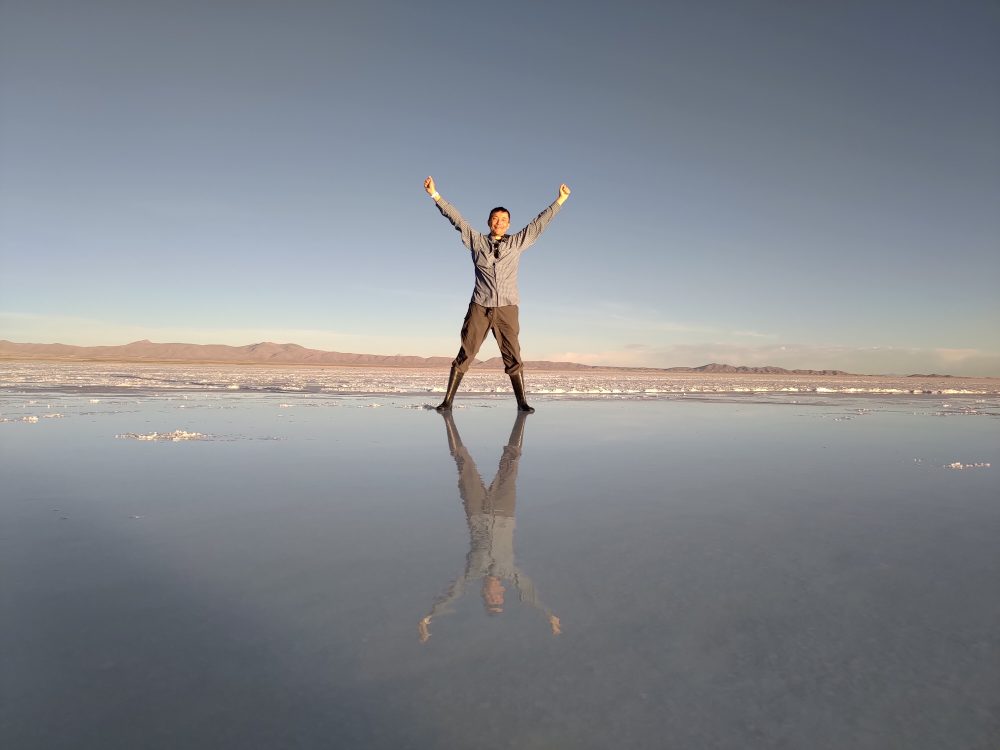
column 517, row 383
column 454, row 439
column 516, row 439
column 454, row 378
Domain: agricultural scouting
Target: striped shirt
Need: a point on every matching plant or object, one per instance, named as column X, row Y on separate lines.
column 496, row 261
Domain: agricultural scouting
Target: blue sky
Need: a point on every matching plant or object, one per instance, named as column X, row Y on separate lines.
column 797, row 184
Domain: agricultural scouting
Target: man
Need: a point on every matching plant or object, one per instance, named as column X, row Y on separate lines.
column 489, row 514
column 494, row 298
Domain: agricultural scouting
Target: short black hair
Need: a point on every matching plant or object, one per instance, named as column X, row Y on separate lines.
column 498, row 208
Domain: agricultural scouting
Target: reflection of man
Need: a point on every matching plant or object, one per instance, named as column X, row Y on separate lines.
column 496, row 257
column 490, row 516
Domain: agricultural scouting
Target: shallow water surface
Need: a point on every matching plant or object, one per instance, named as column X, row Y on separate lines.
column 309, row 570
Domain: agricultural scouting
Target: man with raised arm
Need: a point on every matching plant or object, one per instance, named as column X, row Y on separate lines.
column 494, row 298
column 489, row 513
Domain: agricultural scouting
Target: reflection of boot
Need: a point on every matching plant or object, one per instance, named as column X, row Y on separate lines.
column 454, row 378
column 516, row 439
column 454, row 439
column 517, row 383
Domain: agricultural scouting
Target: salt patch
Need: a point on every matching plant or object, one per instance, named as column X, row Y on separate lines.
column 959, row 465
column 175, row 436
column 55, row 415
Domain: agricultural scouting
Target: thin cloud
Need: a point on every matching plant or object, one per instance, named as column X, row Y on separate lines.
column 754, row 334
column 649, row 321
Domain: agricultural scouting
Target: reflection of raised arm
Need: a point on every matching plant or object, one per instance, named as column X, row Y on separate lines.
column 527, row 594
column 439, row 607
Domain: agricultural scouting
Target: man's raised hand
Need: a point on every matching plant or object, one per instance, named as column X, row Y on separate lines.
column 564, row 192
column 429, row 186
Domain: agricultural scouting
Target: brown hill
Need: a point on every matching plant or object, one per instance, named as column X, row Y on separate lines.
column 270, row 353
column 265, row 352
column 717, row 368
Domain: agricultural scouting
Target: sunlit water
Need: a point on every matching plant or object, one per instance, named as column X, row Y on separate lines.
column 213, row 567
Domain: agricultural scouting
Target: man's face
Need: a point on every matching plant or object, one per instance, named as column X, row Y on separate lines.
column 499, row 222
column 493, row 591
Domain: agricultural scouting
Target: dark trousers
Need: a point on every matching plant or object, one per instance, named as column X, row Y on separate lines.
column 481, row 320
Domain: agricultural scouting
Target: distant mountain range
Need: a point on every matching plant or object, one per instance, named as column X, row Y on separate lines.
column 268, row 353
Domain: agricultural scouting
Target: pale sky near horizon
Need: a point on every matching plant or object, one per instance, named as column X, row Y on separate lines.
column 810, row 185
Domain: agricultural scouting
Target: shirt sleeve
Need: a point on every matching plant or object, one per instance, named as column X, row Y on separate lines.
column 451, row 214
column 527, row 236
column 442, row 605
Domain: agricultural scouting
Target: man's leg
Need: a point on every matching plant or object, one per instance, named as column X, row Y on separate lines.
column 454, row 379
column 474, row 329
column 503, row 489
column 506, row 329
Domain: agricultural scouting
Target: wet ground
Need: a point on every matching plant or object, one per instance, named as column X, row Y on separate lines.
column 280, row 570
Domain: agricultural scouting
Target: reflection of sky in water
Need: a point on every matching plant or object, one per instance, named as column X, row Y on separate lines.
column 724, row 573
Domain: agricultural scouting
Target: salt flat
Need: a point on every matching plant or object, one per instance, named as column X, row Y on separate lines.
column 131, row 377
column 206, row 566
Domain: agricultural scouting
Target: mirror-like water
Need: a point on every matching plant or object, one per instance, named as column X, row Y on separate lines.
column 282, row 570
